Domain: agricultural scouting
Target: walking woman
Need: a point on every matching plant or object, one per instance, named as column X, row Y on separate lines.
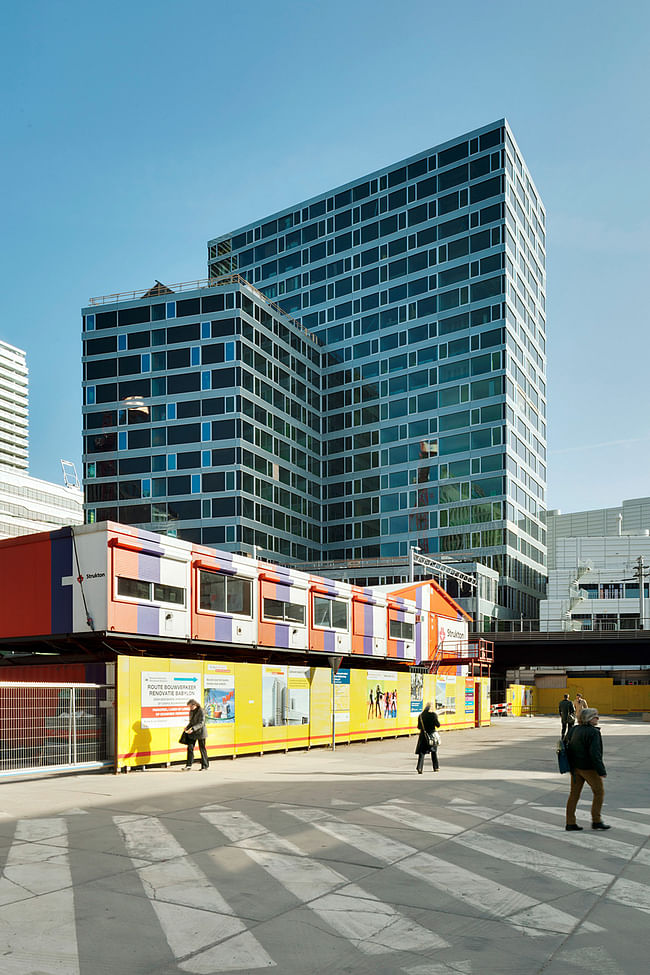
column 197, row 732
column 427, row 724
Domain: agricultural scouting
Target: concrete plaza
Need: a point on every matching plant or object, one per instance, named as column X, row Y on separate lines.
column 344, row 862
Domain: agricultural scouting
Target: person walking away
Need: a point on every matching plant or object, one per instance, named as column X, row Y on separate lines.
column 427, row 724
column 579, row 704
column 585, row 749
column 567, row 713
column 196, row 728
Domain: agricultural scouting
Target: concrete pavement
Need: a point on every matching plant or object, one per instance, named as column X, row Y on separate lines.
column 344, row 862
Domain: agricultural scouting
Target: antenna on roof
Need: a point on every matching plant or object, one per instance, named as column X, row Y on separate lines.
column 70, row 476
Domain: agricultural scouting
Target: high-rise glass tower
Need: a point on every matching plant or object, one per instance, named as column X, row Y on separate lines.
column 425, row 281
column 376, row 382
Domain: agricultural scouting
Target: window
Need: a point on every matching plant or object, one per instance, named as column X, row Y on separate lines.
column 224, row 594
column 277, row 609
column 400, row 630
column 139, row 589
column 332, row 613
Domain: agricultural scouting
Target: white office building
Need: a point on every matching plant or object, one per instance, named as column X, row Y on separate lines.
column 13, row 407
column 598, row 569
column 29, row 505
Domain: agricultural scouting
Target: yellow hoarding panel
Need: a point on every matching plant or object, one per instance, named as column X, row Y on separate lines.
column 254, row 708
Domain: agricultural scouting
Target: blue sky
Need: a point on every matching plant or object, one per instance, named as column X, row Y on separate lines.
column 133, row 132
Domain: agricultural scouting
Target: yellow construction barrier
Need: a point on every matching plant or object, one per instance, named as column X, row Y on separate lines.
column 256, row 708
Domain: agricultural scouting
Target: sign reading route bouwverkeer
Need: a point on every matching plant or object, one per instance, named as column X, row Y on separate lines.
column 164, row 698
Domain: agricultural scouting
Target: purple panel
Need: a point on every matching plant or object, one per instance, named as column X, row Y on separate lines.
column 367, row 644
column 400, row 647
column 149, row 567
column 223, row 629
column 281, row 635
column 418, row 626
column 329, row 641
column 148, row 619
column 283, row 592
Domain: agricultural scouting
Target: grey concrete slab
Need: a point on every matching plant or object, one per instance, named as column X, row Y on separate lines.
column 472, row 874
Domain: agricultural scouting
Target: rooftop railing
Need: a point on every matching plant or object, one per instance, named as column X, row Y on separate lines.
column 168, row 291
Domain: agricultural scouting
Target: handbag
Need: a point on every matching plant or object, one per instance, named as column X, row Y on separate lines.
column 434, row 739
column 562, row 757
column 187, row 738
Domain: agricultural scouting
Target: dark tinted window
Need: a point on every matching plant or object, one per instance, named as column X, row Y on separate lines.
column 135, row 465
column 106, row 393
column 489, row 187
column 178, row 358
column 100, row 346
column 448, row 156
column 188, row 408
column 95, row 421
column 397, row 176
column 133, row 316
column 225, row 326
column 106, row 319
column 184, row 433
column 101, row 369
column 453, row 177
column 140, row 438
column 212, row 303
column 490, row 139
column 135, row 514
column 418, row 168
column 139, row 340
column 189, row 306
column 129, row 365
column 179, row 484
column 184, row 382
column 183, row 333
column 188, row 459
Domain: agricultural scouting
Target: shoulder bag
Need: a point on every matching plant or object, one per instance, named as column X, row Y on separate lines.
column 562, row 756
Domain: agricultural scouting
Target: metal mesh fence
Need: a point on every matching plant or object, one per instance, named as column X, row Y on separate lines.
column 44, row 725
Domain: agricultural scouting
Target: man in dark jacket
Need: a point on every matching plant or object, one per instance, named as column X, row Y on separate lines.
column 198, row 732
column 567, row 713
column 585, row 749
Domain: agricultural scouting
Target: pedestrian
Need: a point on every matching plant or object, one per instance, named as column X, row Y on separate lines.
column 579, row 704
column 585, row 750
column 197, row 732
column 567, row 711
column 427, row 724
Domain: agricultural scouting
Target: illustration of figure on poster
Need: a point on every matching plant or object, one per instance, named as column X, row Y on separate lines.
column 219, row 697
column 417, row 692
column 382, row 694
column 445, row 695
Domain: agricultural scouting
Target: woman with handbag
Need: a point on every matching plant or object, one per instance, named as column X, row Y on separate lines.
column 195, row 731
column 429, row 739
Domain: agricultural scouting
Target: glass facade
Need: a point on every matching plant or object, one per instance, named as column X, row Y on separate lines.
column 202, row 420
column 426, row 283
column 398, row 397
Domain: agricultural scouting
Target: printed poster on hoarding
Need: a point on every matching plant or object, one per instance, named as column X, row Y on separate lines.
column 285, row 696
column 469, row 699
column 417, row 692
column 342, row 695
column 382, row 694
column 164, row 697
column 446, row 695
column 219, row 695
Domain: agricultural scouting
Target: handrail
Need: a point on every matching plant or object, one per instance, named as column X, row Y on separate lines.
column 200, row 284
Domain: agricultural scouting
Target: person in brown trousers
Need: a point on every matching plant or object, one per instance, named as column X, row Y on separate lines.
column 585, row 749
